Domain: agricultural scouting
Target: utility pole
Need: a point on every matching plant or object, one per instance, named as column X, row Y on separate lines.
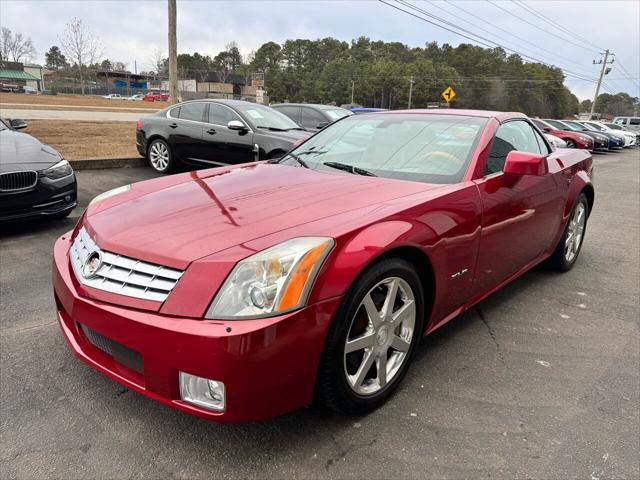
column 603, row 72
column 411, row 81
column 353, row 84
column 173, row 54
column 135, row 67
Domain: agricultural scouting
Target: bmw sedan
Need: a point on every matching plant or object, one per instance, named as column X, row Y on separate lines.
column 256, row 289
column 35, row 181
column 206, row 133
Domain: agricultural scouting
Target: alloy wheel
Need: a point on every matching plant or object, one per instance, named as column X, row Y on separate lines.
column 380, row 336
column 575, row 230
column 159, row 156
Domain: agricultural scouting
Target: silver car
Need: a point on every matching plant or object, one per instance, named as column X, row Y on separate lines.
column 631, row 123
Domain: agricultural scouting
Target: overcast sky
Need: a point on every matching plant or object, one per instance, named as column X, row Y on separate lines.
column 131, row 30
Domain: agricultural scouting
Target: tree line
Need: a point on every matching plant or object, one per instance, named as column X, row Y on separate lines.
column 364, row 71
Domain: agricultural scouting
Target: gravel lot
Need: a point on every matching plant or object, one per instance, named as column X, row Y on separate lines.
column 542, row 380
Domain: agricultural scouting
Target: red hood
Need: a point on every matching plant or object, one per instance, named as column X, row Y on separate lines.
column 201, row 213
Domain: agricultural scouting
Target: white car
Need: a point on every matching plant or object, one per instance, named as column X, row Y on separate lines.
column 112, row 96
column 628, row 137
column 136, row 98
column 556, row 142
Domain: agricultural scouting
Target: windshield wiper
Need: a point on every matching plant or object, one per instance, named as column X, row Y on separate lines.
column 350, row 169
column 273, row 129
column 292, row 155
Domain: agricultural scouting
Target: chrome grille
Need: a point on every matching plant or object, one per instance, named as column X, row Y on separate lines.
column 122, row 275
column 16, row 181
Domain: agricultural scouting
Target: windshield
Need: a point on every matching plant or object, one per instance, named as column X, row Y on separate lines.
column 338, row 113
column 588, row 126
column 575, row 126
column 597, row 127
column 424, row 148
column 266, row 117
column 558, row 125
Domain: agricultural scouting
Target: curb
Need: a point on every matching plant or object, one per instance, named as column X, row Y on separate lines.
column 107, row 163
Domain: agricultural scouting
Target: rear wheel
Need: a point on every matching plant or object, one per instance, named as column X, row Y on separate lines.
column 373, row 338
column 159, row 156
column 570, row 143
column 568, row 249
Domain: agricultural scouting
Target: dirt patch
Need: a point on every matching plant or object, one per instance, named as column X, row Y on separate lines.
column 87, row 140
column 77, row 100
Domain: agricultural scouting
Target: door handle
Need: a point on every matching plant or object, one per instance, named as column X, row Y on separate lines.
column 211, row 131
column 173, row 125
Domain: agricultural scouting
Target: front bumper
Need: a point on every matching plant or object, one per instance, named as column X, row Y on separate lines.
column 268, row 366
column 47, row 198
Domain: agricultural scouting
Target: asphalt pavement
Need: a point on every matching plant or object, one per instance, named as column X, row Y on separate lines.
column 541, row 380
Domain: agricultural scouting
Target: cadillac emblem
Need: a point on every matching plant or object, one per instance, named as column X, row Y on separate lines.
column 92, row 264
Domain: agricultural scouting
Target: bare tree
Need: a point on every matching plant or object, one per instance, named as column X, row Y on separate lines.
column 80, row 47
column 159, row 62
column 15, row 46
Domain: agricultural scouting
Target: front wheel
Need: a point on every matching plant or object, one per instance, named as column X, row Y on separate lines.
column 568, row 249
column 570, row 143
column 159, row 156
column 372, row 339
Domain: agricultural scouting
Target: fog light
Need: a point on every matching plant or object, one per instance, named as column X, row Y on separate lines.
column 203, row 392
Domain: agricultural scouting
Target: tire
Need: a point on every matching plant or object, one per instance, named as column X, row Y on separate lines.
column 565, row 255
column 344, row 383
column 570, row 143
column 160, row 157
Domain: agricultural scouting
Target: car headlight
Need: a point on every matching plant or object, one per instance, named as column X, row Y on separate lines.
column 584, row 138
column 274, row 281
column 59, row 170
column 110, row 193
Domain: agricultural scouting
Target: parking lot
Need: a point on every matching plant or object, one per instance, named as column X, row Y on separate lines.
column 540, row 380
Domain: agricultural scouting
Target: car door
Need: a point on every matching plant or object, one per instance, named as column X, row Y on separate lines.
column 521, row 214
column 223, row 145
column 184, row 130
column 311, row 119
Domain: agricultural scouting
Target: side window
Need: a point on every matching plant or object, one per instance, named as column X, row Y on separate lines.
column 544, row 149
column 192, row 111
column 634, row 121
column 221, row 115
column 174, row 112
column 309, row 118
column 620, row 121
column 514, row 135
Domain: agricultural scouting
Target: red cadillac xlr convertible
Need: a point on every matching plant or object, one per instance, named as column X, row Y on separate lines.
column 244, row 292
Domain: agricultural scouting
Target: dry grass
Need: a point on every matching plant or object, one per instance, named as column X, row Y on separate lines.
column 87, row 140
column 76, row 100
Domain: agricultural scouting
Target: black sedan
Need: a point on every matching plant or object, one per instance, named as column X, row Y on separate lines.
column 312, row 117
column 35, row 181
column 215, row 132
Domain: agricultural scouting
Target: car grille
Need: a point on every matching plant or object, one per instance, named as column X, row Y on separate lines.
column 122, row 275
column 16, row 181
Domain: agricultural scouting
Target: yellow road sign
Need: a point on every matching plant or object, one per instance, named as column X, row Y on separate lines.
column 448, row 94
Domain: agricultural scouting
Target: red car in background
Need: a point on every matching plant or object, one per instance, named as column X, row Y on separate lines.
column 244, row 292
column 573, row 139
column 156, row 97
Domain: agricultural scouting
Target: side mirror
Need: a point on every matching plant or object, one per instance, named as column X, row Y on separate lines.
column 546, row 129
column 236, row 125
column 18, row 124
column 320, row 126
column 525, row 163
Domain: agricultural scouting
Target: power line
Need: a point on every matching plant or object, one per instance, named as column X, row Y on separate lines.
column 538, row 27
column 485, row 21
column 542, row 16
column 566, row 71
column 630, row 77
